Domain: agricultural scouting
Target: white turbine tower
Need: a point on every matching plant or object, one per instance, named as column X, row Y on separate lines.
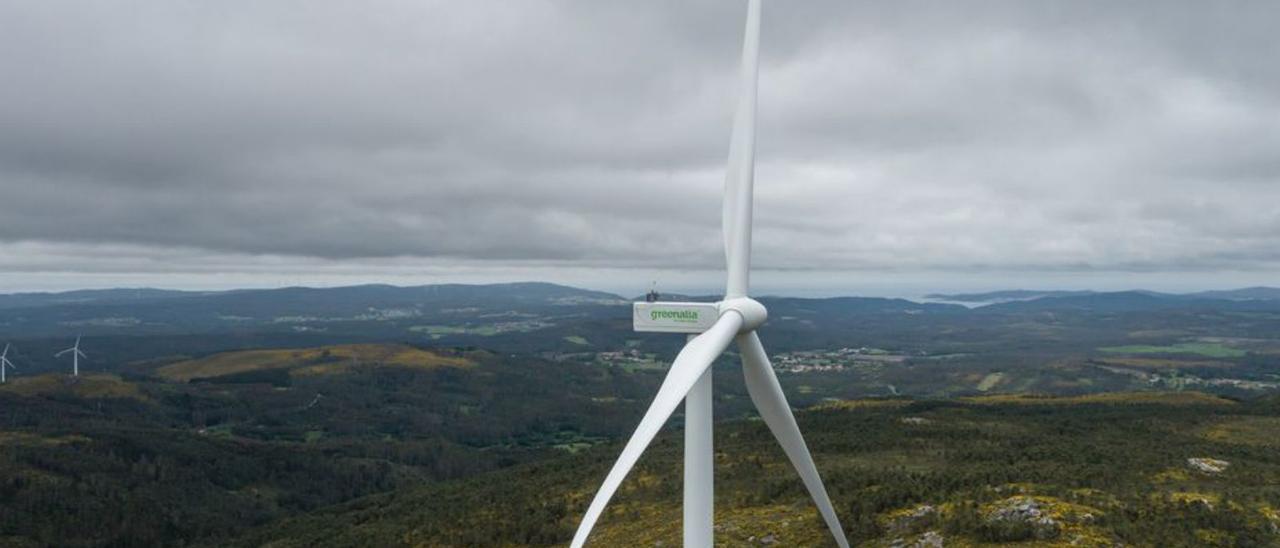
column 716, row 325
column 5, row 364
column 76, row 354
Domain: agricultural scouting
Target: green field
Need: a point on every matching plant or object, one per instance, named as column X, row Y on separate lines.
column 438, row 331
column 990, row 381
column 305, row 361
column 1212, row 350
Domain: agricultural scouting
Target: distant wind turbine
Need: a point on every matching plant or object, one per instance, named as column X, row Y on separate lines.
column 716, row 325
column 76, row 354
column 5, row 364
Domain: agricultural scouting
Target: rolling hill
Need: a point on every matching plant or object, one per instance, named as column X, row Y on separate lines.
column 307, row 361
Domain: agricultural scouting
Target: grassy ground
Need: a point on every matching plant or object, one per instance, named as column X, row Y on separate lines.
column 84, row 386
column 1166, row 363
column 1257, row 431
column 1211, row 350
column 990, row 381
column 306, row 361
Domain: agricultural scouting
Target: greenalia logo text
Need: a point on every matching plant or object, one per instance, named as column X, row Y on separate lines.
column 683, row 316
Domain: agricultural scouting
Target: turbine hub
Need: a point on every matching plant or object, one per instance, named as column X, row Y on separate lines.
column 753, row 313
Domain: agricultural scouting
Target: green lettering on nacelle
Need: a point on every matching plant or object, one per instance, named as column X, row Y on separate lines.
column 683, row 316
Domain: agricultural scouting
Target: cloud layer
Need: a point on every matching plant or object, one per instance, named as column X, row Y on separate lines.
column 911, row 136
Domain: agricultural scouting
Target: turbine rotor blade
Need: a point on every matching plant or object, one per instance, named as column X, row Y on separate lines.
column 688, row 367
column 740, row 176
column 82, row 354
column 59, row 354
column 766, row 394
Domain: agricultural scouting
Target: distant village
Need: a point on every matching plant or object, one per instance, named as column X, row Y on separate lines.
column 810, row 361
column 807, row 361
column 1180, row 381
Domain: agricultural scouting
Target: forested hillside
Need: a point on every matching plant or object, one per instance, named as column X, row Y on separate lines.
column 104, row 460
column 1088, row 471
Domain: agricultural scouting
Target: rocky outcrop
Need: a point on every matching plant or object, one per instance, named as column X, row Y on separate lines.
column 930, row 539
column 1206, row 465
column 1025, row 512
column 913, row 520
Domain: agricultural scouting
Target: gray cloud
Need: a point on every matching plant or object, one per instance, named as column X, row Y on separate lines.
column 918, row 136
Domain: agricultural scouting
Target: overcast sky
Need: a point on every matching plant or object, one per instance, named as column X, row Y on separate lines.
column 903, row 146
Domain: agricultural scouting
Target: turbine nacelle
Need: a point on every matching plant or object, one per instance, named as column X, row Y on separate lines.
column 694, row 318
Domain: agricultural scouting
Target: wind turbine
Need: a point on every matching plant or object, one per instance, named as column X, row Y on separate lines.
column 75, row 357
column 5, row 363
column 716, row 325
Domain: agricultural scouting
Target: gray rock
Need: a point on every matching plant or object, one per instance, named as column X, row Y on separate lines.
column 931, row 539
column 1208, row 465
column 916, row 520
column 1028, row 511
